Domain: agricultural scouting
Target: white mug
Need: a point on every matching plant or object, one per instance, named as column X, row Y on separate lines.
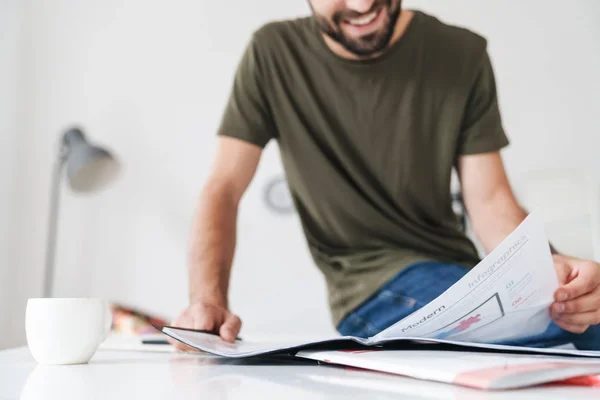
column 66, row 331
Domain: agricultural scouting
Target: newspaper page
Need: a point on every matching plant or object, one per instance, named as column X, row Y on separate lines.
column 473, row 369
column 506, row 296
column 213, row 344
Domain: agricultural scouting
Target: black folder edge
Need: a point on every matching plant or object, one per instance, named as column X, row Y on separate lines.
column 396, row 344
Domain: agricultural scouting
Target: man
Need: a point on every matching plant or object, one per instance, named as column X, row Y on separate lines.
column 372, row 107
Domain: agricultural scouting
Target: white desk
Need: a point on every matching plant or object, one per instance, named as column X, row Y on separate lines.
column 125, row 374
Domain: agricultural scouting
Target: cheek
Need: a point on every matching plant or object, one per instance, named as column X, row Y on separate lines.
column 327, row 8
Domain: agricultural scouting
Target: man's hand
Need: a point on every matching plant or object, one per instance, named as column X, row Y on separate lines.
column 577, row 300
column 206, row 316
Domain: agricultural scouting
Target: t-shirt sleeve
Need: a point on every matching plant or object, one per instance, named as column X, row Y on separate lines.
column 481, row 129
column 247, row 114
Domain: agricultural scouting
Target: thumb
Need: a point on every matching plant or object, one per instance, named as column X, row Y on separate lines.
column 181, row 321
column 563, row 269
column 582, row 281
column 230, row 328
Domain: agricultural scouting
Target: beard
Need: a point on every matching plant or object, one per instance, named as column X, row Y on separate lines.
column 367, row 45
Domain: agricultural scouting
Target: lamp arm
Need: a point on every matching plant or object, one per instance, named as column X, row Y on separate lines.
column 53, row 220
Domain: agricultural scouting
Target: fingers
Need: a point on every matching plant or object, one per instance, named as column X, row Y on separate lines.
column 192, row 318
column 586, row 279
column 203, row 317
column 584, row 318
column 173, row 342
column 183, row 321
column 577, row 303
column 230, row 329
column 585, row 303
column 204, row 322
column 572, row 327
column 180, row 346
column 207, row 317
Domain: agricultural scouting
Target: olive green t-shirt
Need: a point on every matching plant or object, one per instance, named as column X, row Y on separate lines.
column 368, row 147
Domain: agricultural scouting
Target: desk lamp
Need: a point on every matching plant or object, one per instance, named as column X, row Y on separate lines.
column 89, row 168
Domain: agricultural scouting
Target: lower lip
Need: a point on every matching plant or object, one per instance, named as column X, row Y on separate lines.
column 359, row 30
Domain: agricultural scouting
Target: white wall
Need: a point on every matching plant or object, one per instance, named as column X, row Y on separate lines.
column 150, row 79
column 10, row 37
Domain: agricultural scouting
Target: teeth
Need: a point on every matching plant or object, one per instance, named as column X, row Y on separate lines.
column 367, row 19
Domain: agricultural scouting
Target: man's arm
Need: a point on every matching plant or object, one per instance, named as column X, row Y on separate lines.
column 491, row 205
column 213, row 239
column 495, row 213
column 247, row 125
column 213, row 236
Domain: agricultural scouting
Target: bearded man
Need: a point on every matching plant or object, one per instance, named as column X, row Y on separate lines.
column 372, row 107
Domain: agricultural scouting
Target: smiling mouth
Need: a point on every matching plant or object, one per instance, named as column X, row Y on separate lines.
column 365, row 19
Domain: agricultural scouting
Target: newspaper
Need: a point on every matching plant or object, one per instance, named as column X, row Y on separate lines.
column 506, row 296
column 475, row 370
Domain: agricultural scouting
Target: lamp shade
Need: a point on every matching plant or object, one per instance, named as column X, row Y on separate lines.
column 89, row 168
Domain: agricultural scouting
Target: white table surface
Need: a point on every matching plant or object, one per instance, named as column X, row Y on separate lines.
column 134, row 372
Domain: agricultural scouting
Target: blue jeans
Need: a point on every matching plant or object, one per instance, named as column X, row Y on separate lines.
column 417, row 285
